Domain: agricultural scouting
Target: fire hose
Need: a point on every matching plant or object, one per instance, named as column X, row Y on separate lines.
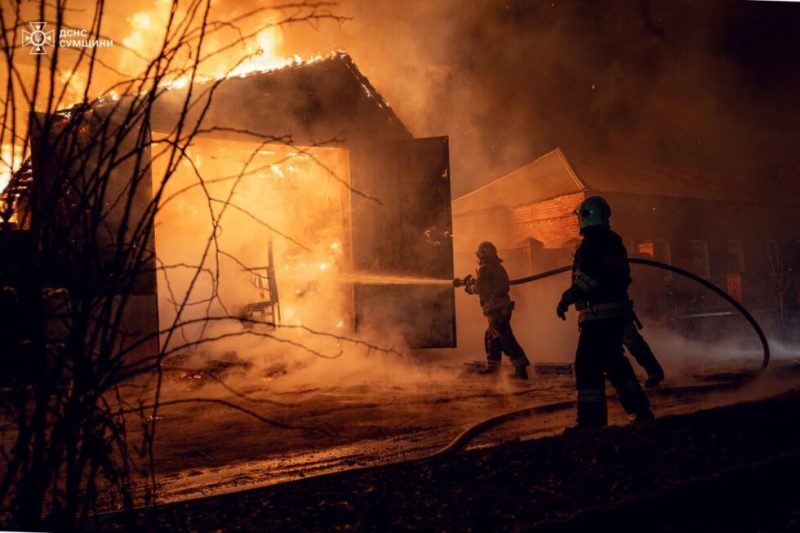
column 471, row 432
column 685, row 273
column 459, row 442
column 467, row 435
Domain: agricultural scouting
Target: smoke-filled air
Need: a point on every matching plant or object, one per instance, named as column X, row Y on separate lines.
column 335, row 258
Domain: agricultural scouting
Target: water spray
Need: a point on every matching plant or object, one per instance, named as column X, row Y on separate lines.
column 378, row 279
column 368, row 278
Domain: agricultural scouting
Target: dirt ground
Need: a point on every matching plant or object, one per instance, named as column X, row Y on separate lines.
column 207, row 449
column 730, row 468
column 327, row 447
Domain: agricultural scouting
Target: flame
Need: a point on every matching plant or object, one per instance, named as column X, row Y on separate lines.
column 178, row 83
column 304, row 215
column 142, row 20
column 262, row 56
column 141, row 23
column 75, row 82
column 10, row 161
column 146, row 34
column 276, row 169
column 265, row 55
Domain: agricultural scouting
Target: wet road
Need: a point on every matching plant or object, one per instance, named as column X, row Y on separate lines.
column 208, row 449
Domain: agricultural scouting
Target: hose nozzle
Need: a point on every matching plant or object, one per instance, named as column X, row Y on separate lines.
column 466, row 282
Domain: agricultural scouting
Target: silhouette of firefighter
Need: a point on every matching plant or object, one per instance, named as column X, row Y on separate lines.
column 491, row 286
column 599, row 291
column 642, row 352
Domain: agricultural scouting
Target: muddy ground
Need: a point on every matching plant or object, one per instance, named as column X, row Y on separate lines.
column 207, row 449
column 730, row 468
column 291, row 459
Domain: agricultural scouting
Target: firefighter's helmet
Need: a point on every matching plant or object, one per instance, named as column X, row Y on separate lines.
column 594, row 211
column 486, row 249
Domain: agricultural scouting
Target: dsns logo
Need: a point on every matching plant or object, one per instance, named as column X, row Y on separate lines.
column 38, row 37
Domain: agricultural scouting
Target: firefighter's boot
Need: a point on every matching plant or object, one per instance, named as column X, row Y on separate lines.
column 654, row 378
column 520, row 373
column 643, row 417
column 492, row 367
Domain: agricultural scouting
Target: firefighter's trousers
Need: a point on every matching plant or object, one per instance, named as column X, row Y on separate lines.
column 600, row 354
column 499, row 339
column 641, row 351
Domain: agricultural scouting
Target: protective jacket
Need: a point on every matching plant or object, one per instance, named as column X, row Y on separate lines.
column 599, row 290
column 600, row 276
column 491, row 285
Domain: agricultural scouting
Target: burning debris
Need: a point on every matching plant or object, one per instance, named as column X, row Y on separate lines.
column 197, row 370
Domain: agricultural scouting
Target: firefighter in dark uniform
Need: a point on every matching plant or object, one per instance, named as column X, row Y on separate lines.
column 642, row 352
column 639, row 348
column 491, row 286
column 599, row 291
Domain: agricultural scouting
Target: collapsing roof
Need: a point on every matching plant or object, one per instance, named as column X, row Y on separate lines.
column 319, row 102
column 560, row 173
column 325, row 101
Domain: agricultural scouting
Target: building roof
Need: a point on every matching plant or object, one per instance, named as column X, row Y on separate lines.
column 559, row 172
column 315, row 102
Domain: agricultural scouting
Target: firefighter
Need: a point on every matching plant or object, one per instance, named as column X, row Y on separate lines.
column 642, row 352
column 491, row 286
column 640, row 349
column 599, row 291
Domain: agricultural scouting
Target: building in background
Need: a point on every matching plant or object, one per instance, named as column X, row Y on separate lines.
column 749, row 247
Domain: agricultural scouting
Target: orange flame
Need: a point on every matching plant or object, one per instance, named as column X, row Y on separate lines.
column 10, row 161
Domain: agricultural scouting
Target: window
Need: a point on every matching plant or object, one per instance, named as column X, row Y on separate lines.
column 646, row 248
column 699, row 260
column 657, row 249
column 735, row 256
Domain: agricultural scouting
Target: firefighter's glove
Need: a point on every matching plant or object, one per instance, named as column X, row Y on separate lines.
column 563, row 305
column 468, row 283
column 458, row 282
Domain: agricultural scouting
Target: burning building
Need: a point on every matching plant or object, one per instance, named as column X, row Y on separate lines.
column 301, row 198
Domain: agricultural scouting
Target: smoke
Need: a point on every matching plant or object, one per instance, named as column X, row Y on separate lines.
column 507, row 81
column 213, row 244
column 683, row 355
column 670, row 81
column 674, row 82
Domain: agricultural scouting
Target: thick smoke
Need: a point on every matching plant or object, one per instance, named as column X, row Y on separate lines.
column 685, row 84
column 673, row 82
